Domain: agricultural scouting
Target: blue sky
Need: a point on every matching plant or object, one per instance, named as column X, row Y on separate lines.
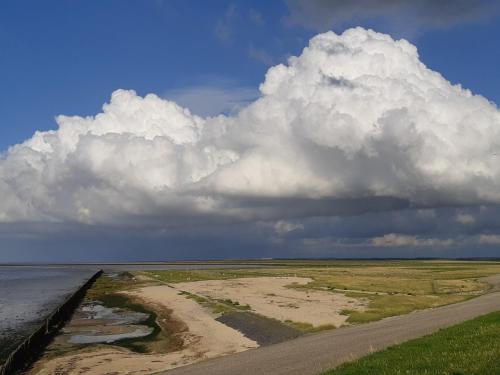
column 121, row 193
column 66, row 57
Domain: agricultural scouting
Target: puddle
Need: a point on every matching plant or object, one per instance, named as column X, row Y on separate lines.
column 98, row 338
column 94, row 323
column 115, row 316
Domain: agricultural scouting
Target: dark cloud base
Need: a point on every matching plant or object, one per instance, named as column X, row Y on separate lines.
column 317, row 237
column 400, row 18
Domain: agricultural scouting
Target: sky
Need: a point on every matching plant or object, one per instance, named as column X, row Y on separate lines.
column 163, row 130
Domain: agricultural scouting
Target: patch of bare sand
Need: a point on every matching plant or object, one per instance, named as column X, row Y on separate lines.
column 204, row 338
column 270, row 296
column 206, row 335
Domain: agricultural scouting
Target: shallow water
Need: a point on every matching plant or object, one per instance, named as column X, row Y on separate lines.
column 140, row 331
column 29, row 294
column 114, row 315
column 121, row 267
column 126, row 320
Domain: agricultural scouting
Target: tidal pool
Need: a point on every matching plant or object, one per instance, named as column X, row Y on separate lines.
column 95, row 323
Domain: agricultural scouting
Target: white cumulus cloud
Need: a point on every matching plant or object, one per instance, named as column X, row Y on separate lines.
column 465, row 219
column 283, row 227
column 489, row 239
column 401, row 240
column 355, row 123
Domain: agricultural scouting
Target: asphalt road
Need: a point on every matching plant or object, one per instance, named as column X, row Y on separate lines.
column 312, row 354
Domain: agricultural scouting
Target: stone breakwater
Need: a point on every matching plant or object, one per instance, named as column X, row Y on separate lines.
column 30, row 347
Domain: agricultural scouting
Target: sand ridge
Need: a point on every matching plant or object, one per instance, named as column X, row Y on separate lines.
column 205, row 335
column 273, row 298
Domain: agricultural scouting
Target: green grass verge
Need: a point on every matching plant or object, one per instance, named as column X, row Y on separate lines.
column 217, row 306
column 383, row 306
column 470, row 348
column 106, row 285
column 308, row 328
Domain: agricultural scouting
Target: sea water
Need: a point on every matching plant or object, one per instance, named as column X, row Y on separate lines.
column 29, row 294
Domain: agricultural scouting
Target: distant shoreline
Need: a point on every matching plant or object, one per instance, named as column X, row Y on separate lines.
column 273, row 261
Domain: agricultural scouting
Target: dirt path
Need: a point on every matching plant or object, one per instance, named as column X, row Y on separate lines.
column 313, row 354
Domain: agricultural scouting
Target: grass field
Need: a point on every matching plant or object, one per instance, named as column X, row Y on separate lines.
column 392, row 287
column 470, row 348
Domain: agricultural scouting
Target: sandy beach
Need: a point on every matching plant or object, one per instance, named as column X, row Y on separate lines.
column 204, row 338
column 273, row 298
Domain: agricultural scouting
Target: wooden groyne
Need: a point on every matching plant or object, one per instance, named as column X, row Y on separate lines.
column 32, row 346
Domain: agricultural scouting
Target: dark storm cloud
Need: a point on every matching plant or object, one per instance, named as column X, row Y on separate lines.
column 441, row 232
